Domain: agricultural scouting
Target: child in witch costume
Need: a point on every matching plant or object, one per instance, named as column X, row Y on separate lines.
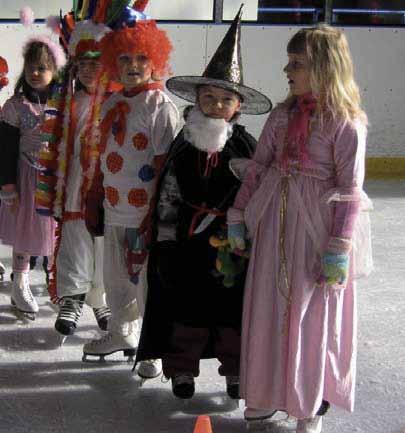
column 301, row 202
column 137, row 127
column 3, row 83
column 77, row 273
column 192, row 312
column 21, row 123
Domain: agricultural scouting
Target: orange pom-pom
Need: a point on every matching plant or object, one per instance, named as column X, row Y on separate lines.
column 140, row 141
column 3, row 66
column 114, row 162
column 112, row 195
column 138, row 197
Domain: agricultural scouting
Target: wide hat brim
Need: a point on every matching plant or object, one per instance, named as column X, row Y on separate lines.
column 253, row 102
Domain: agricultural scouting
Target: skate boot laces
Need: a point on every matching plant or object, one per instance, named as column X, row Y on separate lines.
column 70, row 309
column 101, row 312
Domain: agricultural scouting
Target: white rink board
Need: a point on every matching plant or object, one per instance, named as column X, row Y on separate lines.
column 42, row 8
column 379, row 57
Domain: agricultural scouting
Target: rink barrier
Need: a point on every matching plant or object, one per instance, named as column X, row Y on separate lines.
column 385, row 168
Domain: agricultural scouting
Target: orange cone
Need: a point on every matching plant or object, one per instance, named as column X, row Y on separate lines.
column 203, row 424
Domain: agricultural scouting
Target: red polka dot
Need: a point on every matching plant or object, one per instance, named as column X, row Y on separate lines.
column 138, row 197
column 112, row 195
column 114, row 162
column 140, row 141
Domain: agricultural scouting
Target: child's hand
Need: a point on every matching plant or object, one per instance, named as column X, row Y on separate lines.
column 9, row 197
column 237, row 236
column 334, row 268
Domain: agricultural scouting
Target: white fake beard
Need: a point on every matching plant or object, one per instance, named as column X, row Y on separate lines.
column 205, row 133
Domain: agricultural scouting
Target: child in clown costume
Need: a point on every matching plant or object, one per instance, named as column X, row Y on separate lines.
column 137, row 127
column 77, row 272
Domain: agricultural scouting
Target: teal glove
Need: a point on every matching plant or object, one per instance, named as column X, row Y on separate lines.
column 237, row 236
column 335, row 268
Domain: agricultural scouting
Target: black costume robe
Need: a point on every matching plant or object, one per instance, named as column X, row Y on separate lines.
column 183, row 285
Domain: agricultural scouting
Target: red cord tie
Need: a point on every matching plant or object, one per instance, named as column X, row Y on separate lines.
column 212, row 162
column 201, row 210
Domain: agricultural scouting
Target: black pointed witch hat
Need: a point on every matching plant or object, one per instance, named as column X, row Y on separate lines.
column 225, row 71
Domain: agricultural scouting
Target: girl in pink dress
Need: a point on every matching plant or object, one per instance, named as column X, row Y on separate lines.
column 299, row 201
column 21, row 141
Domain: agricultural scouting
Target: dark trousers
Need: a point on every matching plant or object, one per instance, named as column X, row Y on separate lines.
column 188, row 345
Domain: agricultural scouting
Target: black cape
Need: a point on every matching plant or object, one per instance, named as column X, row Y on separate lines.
column 183, row 285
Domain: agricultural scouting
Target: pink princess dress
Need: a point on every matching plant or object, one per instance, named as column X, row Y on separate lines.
column 299, row 336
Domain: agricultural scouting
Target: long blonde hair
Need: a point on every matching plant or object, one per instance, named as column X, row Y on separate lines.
column 331, row 71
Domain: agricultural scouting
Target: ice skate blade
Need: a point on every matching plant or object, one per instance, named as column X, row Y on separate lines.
column 100, row 357
column 271, row 425
column 25, row 316
column 256, row 425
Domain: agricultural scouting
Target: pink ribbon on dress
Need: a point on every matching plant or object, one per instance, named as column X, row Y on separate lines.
column 298, row 131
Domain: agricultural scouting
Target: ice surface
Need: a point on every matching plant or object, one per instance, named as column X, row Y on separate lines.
column 47, row 388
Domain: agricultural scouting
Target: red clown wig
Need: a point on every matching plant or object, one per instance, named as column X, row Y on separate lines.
column 144, row 38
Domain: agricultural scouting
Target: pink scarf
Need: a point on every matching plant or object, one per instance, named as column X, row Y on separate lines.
column 298, row 131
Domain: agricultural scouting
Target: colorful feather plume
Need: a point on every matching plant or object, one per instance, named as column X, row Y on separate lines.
column 116, row 9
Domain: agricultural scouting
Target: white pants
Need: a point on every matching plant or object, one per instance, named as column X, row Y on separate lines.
column 125, row 299
column 79, row 264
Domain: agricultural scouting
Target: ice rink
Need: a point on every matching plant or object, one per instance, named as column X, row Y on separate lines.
column 46, row 388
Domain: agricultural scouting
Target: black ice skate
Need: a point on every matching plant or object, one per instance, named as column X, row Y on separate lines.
column 102, row 315
column 183, row 385
column 70, row 310
column 232, row 387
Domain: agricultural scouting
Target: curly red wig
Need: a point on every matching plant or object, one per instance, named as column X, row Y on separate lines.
column 145, row 38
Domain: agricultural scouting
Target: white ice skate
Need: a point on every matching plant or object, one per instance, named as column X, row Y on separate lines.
column 310, row 425
column 110, row 343
column 149, row 369
column 2, row 271
column 21, row 296
column 269, row 420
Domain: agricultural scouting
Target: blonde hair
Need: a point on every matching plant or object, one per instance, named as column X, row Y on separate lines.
column 331, row 71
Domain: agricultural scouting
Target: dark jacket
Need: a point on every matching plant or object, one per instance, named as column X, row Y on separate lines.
column 183, row 284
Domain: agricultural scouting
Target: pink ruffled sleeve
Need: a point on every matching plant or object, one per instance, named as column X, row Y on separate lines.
column 349, row 157
column 262, row 158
